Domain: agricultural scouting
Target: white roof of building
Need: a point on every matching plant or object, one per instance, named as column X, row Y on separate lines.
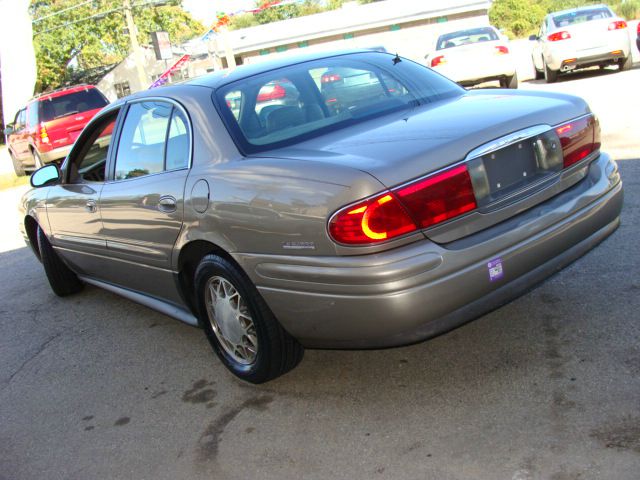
column 352, row 17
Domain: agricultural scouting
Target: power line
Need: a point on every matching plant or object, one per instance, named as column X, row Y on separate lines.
column 59, row 12
column 97, row 15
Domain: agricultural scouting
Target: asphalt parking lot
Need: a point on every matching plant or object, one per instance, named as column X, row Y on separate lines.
column 547, row 387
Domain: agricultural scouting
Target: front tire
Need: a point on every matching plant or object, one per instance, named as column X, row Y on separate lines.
column 240, row 326
column 550, row 76
column 62, row 279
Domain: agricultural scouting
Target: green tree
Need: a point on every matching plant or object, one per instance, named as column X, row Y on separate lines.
column 91, row 34
column 517, row 17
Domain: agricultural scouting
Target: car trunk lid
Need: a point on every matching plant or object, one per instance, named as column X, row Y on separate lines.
column 413, row 144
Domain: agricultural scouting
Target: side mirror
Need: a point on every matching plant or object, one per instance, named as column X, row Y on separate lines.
column 533, row 37
column 47, row 175
column 9, row 129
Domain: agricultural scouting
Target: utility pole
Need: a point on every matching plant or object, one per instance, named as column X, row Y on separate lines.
column 135, row 46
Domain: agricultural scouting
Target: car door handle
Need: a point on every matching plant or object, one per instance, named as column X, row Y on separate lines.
column 167, row 204
column 91, row 206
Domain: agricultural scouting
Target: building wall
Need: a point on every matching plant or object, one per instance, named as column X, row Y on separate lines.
column 123, row 79
column 17, row 56
column 412, row 40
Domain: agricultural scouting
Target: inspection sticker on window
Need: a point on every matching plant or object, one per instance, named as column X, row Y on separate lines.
column 495, row 269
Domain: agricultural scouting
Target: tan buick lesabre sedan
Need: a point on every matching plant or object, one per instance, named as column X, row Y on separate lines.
column 351, row 200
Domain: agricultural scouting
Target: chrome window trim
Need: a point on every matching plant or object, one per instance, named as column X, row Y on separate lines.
column 173, row 103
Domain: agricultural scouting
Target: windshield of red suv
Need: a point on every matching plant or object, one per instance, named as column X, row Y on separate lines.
column 71, row 103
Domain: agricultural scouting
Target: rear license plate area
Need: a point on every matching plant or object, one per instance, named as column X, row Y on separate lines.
column 516, row 169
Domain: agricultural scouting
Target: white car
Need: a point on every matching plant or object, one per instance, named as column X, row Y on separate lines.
column 474, row 56
column 578, row 38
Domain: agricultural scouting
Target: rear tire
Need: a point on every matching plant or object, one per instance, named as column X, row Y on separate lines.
column 510, row 82
column 62, row 279
column 18, row 167
column 550, row 76
column 624, row 64
column 239, row 325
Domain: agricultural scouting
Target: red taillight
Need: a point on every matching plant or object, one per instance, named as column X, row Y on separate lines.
column 618, row 25
column 639, row 29
column 378, row 219
column 578, row 139
column 330, row 78
column 421, row 204
column 42, row 133
column 554, row 37
column 502, row 50
column 271, row 93
column 439, row 60
column 439, row 197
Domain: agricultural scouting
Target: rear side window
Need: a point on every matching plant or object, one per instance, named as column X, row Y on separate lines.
column 141, row 147
column 178, row 142
column 581, row 16
column 32, row 114
column 154, row 138
column 70, row 104
column 466, row 37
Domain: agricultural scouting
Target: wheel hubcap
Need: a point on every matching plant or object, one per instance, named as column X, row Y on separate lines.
column 231, row 320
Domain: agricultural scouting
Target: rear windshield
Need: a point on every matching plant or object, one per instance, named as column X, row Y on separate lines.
column 581, row 16
column 296, row 103
column 71, row 103
column 466, row 37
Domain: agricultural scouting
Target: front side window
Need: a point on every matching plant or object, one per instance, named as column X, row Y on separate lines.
column 20, row 120
column 291, row 104
column 89, row 164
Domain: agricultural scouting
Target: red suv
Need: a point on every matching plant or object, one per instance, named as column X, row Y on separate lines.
column 46, row 128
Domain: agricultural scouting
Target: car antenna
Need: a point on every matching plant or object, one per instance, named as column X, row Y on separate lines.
column 396, row 60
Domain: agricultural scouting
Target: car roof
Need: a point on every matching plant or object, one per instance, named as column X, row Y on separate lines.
column 448, row 32
column 62, row 91
column 579, row 9
column 218, row 79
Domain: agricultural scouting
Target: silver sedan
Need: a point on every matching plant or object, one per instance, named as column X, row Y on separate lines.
column 580, row 37
column 369, row 214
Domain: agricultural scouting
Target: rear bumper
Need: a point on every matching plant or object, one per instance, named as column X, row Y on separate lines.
column 423, row 289
column 466, row 75
column 56, row 154
column 558, row 60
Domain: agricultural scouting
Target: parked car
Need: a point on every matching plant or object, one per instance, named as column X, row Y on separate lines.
column 578, row 38
column 45, row 129
column 378, row 225
column 347, row 88
column 638, row 37
column 473, row 56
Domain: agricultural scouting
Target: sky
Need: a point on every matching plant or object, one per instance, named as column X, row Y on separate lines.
column 205, row 10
